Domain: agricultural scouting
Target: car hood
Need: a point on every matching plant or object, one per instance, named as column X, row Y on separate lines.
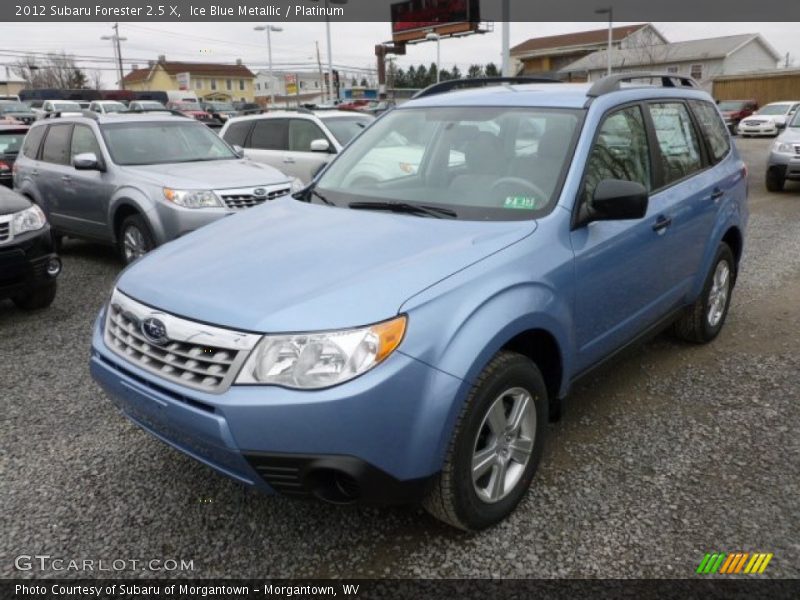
column 766, row 118
column 208, row 175
column 293, row 266
column 11, row 202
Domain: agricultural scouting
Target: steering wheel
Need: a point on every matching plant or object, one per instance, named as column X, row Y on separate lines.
column 516, row 182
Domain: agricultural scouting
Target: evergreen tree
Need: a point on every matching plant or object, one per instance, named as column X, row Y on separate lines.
column 492, row 70
column 474, row 72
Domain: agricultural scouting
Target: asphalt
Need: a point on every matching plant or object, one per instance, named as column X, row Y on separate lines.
column 670, row 452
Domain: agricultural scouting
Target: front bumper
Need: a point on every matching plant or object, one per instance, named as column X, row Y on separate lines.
column 174, row 221
column 377, row 438
column 24, row 262
column 762, row 129
column 788, row 165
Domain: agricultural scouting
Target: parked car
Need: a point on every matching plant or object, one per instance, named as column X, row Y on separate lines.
column 297, row 143
column 11, row 136
column 11, row 97
column 410, row 339
column 137, row 181
column 105, row 107
column 769, row 119
column 19, row 111
column 733, row 111
column 248, row 108
column 190, row 109
column 29, row 265
column 784, row 158
column 145, row 106
column 222, row 111
column 63, row 108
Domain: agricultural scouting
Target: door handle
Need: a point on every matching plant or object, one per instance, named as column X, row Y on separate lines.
column 288, row 160
column 66, row 178
column 717, row 194
column 661, row 224
column 35, row 172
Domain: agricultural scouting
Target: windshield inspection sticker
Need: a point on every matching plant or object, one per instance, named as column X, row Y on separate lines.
column 520, row 202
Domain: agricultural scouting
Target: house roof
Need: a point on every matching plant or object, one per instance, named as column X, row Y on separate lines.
column 579, row 38
column 675, row 52
column 193, row 68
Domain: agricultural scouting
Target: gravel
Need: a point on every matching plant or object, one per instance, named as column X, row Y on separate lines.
column 670, row 452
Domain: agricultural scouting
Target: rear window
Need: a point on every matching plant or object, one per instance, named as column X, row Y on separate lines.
column 30, row 146
column 712, row 127
column 11, row 141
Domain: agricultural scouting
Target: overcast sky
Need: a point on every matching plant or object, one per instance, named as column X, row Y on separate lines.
column 352, row 42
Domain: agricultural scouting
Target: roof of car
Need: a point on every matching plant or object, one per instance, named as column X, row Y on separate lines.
column 301, row 114
column 13, row 127
column 119, row 118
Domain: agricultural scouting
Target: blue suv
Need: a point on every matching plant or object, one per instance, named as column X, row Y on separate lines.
column 406, row 334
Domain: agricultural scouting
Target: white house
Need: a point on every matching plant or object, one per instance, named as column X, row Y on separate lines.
column 289, row 87
column 700, row 59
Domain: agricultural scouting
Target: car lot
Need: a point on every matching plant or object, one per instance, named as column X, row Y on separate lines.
column 670, row 452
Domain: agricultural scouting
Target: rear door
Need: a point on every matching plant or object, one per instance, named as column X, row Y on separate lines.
column 269, row 142
column 54, row 170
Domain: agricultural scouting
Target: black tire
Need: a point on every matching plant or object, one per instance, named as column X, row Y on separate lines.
column 134, row 223
column 774, row 180
column 453, row 498
column 37, row 298
column 696, row 325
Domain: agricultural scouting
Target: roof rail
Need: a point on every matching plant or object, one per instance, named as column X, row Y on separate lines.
column 454, row 84
column 170, row 111
column 612, row 83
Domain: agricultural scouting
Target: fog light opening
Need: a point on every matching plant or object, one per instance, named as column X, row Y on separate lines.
column 53, row 267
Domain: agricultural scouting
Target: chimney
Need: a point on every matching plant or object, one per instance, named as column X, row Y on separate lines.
column 238, row 61
column 134, row 67
column 162, row 58
column 151, row 63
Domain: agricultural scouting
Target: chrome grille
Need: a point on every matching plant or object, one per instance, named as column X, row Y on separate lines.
column 239, row 199
column 193, row 354
column 797, row 148
column 5, row 228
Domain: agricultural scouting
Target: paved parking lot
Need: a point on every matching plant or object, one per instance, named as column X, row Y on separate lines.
column 671, row 452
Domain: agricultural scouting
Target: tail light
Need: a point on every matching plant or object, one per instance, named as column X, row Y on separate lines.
column 4, row 166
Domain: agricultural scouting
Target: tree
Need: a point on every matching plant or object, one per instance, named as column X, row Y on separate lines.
column 364, row 82
column 411, row 77
column 456, row 72
column 491, row 70
column 474, row 72
column 433, row 70
column 56, row 70
column 421, row 78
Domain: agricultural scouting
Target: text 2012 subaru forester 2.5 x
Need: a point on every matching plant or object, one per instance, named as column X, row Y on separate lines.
column 409, row 338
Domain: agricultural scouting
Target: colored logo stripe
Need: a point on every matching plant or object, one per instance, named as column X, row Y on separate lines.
column 734, row 563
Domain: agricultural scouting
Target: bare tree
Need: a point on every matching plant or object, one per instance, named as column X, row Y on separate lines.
column 56, row 70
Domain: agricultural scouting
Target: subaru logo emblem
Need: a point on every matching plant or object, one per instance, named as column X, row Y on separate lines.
column 154, row 331
column 259, row 192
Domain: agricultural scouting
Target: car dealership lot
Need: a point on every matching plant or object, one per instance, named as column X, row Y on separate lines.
column 670, row 452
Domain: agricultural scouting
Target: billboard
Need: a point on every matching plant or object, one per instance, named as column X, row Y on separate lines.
column 413, row 19
column 290, row 80
column 184, row 81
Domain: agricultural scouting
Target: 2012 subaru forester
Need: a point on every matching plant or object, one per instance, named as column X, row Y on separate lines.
column 408, row 337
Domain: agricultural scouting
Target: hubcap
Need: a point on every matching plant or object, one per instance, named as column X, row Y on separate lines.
column 718, row 295
column 504, row 445
column 133, row 243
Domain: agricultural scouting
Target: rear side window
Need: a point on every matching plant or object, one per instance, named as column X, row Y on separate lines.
column 30, row 147
column 713, row 128
column 236, row 133
column 270, row 134
column 677, row 141
column 56, row 144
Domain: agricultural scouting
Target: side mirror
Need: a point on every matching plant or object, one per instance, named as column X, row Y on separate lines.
column 86, row 161
column 238, row 150
column 320, row 146
column 617, row 199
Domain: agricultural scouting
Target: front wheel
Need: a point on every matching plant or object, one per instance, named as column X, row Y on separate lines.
column 775, row 180
column 496, row 446
column 134, row 239
column 703, row 320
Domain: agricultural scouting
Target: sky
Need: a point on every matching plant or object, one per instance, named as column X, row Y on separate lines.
column 352, row 43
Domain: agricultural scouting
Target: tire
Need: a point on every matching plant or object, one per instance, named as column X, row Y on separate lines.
column 774, row 180
column 454, row 497
column 134, row 239
column 702, row 322
column 37, row 298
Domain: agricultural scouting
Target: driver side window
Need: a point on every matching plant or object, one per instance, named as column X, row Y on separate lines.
column 619, row 152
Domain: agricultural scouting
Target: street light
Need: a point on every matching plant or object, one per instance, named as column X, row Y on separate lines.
column 269, row 29
column 115, row 40
column 435, row 37
column 610, row 12
column 330, row 59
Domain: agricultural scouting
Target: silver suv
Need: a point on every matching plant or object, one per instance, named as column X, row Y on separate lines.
column 138, row 181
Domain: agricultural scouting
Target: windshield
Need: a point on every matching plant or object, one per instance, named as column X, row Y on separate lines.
column 732, row 105
column 67, row 106
column 6, row 107
column 10, row 142
column 796, row 120
column 345, row 129
column 775, row 109
column 164, row 142
column 221, row 106
column 187, row 106
column 150, row 105
column 493, row 163
column 115, row 107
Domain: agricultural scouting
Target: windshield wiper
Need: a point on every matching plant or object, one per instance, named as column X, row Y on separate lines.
column 406, row 207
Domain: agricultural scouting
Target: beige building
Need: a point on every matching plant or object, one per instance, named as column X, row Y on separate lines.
column 10, row 85
column 209, row 81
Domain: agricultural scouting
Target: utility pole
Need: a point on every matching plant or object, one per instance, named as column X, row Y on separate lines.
column 321, row 78
column 115, row 44
column 506, row 39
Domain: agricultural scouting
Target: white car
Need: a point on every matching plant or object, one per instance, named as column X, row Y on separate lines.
column 298, row 143
column 769, row 119
column 64, row 108
column 106, row 107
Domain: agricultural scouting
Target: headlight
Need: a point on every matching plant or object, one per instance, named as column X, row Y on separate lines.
column 297, row 185
column 193, row 198
column 318, row 360
column 29, row 219
column 783, row 148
